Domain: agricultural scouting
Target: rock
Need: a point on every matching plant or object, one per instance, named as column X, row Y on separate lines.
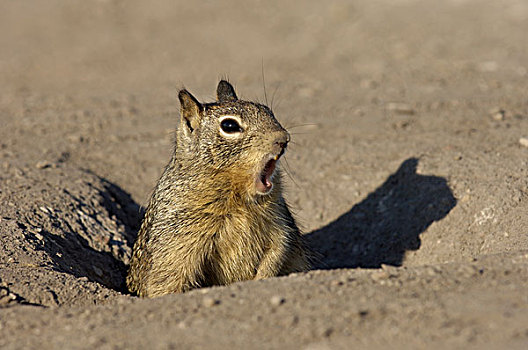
column 368, row 84
column 210, row 302
column 524, row 141
column 327, row 332
column 380, row 275
column 277, row 300
column 498, row 113
column 43, row 164
column 6, row 297
column 391, row 271
column 336, row 283
column 401, row 108
column 97, row 271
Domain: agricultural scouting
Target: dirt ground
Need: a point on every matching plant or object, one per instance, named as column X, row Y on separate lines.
column 408, row 171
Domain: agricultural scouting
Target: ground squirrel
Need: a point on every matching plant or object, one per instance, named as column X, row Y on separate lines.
column 217, row 215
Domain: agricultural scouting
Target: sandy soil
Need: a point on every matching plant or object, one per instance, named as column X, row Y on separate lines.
column 408, row 172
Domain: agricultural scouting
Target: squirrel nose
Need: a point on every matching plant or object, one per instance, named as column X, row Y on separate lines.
column 282, row 140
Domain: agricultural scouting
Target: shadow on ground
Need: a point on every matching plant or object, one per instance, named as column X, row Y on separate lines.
column 93, row 236
column 386, row 224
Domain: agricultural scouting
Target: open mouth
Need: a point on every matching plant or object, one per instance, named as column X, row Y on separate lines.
column 264, row 182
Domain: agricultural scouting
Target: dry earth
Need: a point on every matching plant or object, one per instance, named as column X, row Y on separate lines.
column 408, row 172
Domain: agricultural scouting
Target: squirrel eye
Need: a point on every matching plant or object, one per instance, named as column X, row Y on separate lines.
column 230, row 126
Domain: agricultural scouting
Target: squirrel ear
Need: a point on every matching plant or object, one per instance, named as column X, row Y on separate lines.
column 225, row 92
column 191, row 110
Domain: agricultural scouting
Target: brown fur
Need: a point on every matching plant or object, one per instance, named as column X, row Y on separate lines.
column 205, row 223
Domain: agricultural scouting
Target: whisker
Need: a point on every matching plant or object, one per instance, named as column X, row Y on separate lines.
column 301, row 125
column 264, row 83
column 273, row 96
column 301, row 133
column 287, row 169
column 279, row 100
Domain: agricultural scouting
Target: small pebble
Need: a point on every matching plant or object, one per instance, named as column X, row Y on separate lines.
column 363, row 313
column 44, row 209
column 524, row 141
column 380, row 275
column 293, row 320
column 75, row 138
column 392, row 271
column 210, row 302
column 97, row 271
column 400, row 108
column 336, row 283
column 359, row 112
column 431, row 271
column 277, row 300
column 498, row 113
column 43, row 164
column 368, row 84
column 401, row 124
column 327, row 332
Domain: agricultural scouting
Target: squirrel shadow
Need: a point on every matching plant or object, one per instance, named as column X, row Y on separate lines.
column 386, row 224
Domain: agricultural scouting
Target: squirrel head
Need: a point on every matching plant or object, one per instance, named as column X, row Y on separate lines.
column 230, row 140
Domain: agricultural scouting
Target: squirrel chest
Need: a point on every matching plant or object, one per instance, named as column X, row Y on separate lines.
column 236, row 243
